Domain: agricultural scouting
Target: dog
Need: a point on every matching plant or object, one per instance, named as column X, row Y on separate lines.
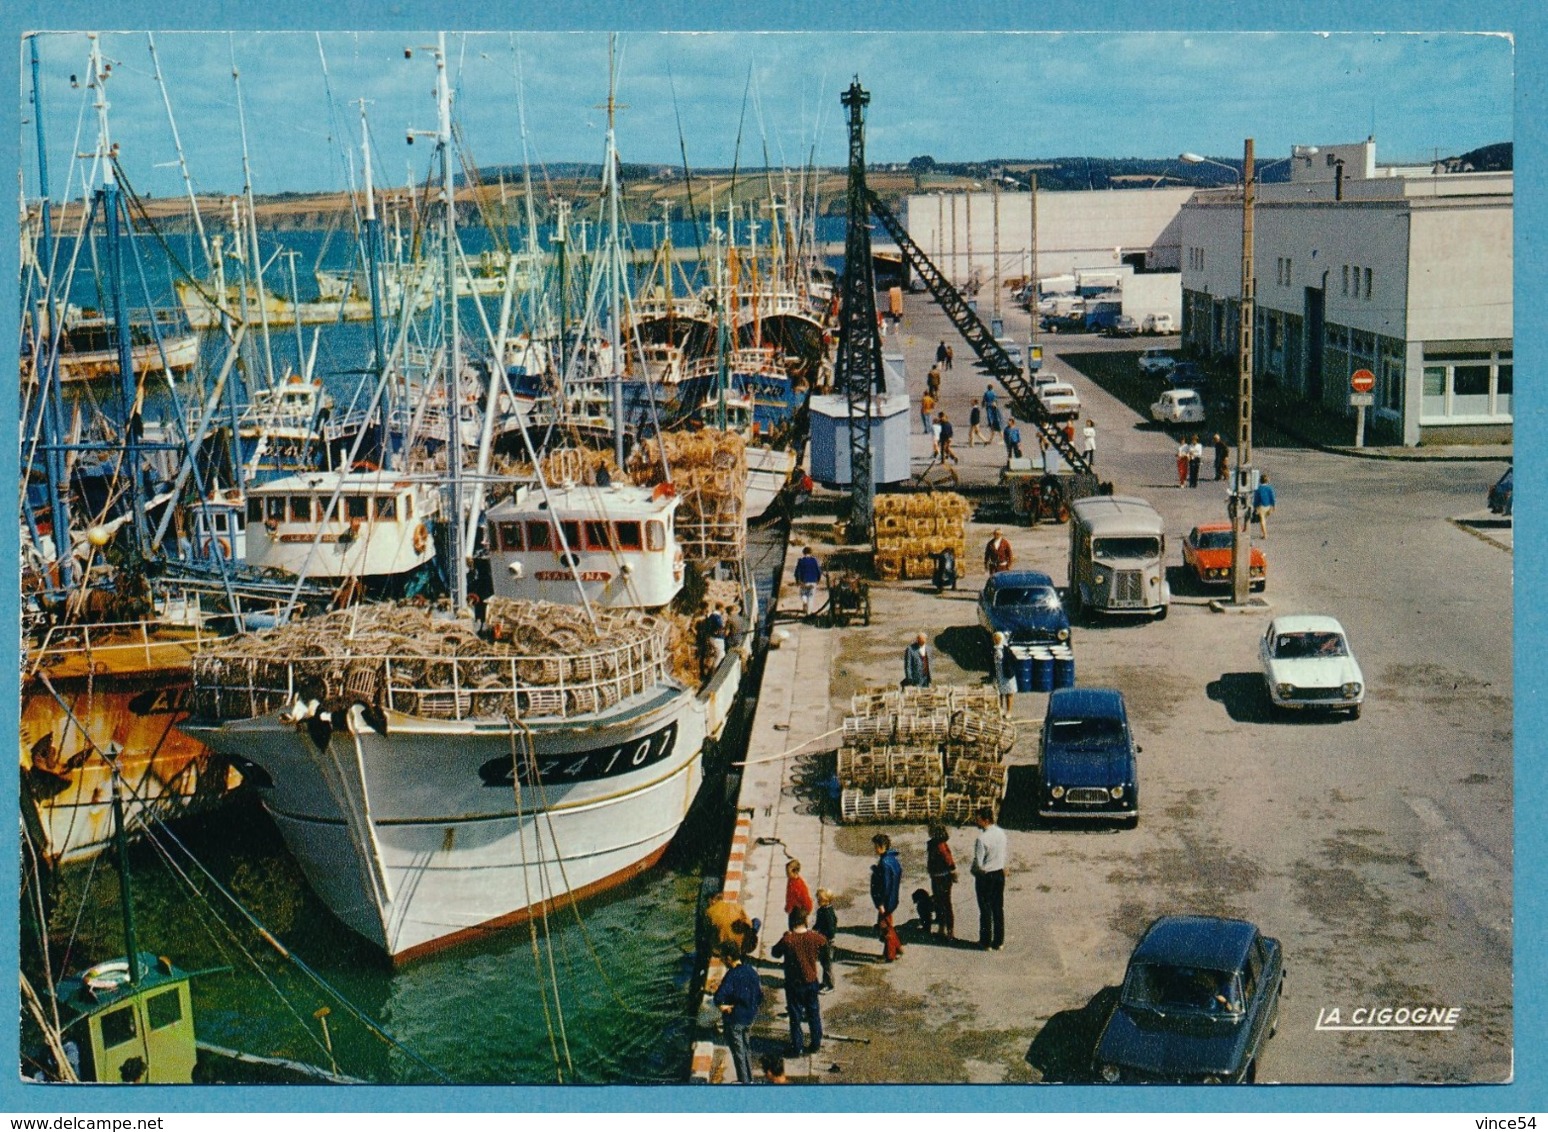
column 924, row 906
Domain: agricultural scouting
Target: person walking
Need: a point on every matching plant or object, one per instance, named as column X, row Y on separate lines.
column 797, row 896
column 1182, row 462
column 997, row 553
column 827, row 927
column 1004, row 673
column 942, row 867
column 940, row 353
column 944, row 434
column 739, row 996
column 1263, row 503
column 1222, row 457
column 933, row 381
column 916, row 663
column 975, row 417
column 1088, row 441
column 808, row 572
column 989, row 854
column 800, row 948
column 926, row 410
column 886, row 883
column 948, row 357
column 1012, row 436
column 1195, row 461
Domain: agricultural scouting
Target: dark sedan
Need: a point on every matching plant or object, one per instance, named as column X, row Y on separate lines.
column 1502, row 494
column 1023, row 605
column 1088, row 768
column 1199, row 1001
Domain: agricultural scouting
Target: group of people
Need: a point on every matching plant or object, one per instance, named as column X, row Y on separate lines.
column 719, row 629
column 806, row 950
column 1190, row 458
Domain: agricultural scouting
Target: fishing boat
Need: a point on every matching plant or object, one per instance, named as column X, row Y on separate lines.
column 88, row 349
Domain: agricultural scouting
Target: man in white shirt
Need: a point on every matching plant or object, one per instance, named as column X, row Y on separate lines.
column 989, row 857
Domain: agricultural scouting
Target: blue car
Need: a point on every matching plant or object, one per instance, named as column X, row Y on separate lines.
column 1088, row 769
column 1023, row 605
column 1199, row 1002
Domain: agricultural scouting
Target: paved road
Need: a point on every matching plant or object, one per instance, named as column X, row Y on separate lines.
column 1377, row 850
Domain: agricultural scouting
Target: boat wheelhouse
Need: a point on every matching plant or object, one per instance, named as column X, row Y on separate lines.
column 617, row 544
column 356, row 524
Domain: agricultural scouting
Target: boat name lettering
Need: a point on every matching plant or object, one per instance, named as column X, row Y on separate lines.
column 308, row 538
column 565, row 575
column 583, row 766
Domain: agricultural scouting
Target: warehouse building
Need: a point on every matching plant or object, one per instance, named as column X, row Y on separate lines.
column 1402, row 271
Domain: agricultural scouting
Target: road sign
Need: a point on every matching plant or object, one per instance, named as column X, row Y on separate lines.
column 1362, row 381
column 1361, row 400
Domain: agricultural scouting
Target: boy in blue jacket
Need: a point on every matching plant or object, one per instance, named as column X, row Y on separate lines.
column 739, row 995
column 886, row 883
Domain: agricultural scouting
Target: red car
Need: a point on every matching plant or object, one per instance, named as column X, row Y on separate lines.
column 1207, row 553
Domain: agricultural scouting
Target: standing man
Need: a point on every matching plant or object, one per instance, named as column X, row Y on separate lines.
column 808, row 572
column 940, row 353
column 975, row 417
column 739, row 995
column 1183, row 451
column 945, row 433
column 1088, row 441
column 926, row 410
column 1012, row 440
column 886, row 883
column 1263, row 503
column 989, row 854
column 801, row 949
column 948, row 357
column 991, row 409
column 1195, row 461
column 1222, row 457
column 997, row 553
column 916, row 665
column 933, row 381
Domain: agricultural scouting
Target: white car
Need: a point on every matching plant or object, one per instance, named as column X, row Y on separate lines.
column 1307, row 663
column 1059, row 400
column 1156, row 362
column 1159, row 323
column 1178, row 406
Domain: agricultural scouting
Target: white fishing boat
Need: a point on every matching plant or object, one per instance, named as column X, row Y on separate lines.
column 364, row 524
column 88, row 349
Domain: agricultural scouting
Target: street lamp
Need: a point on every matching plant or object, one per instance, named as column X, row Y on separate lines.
column 1241, row 533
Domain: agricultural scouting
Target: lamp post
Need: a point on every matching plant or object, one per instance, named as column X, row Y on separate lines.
column 1241, row 533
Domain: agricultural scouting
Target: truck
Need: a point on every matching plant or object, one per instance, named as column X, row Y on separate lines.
column 1117, row 558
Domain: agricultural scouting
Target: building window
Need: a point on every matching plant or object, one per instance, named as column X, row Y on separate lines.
column 1289, row 267
column 1367, row 282
column 1434, row 403
column 1346, row 279
column 1469, row 391
column 1503, row 389
column 1469, row 384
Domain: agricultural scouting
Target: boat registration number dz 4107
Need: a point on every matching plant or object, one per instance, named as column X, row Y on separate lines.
column 581, row 766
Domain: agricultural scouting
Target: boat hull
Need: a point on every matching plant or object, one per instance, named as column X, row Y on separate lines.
column 421, row 837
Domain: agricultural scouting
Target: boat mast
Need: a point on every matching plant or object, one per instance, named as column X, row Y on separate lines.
column 125, row 902
column 373, row 242
column 459, row 575
column 182, row 163
column 252, row 223
column 45, row 331
column 610, row 174
column 132, row 424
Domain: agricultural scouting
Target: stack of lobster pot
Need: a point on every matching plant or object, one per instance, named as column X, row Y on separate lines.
column 922, row 754
column 911, row 529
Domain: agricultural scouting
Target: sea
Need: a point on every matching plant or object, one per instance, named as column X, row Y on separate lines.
column 599, row 992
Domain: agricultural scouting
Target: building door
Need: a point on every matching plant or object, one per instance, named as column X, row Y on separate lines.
column 1314, row 307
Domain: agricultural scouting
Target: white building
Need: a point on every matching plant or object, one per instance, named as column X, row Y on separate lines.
column 977, row 238
column 1402, row 271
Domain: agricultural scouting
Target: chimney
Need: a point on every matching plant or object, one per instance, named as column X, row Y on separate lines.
column 1338, row 180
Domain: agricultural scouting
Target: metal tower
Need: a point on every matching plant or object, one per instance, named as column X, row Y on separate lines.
column 857, row 370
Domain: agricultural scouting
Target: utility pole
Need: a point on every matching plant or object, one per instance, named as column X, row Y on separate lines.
column 1032, row 263
column 857, row 370
column 1241, row 532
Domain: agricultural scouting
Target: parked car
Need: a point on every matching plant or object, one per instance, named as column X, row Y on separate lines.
column 1186, row 375
column 1087, row 765
column 1012, row 350
column 1059, row 399
column 1158, row 323
column 1156, row 362
column 1307, row 663
column 1023, row 605
column 1124, row 326
column 1178, row 406
column 1200, row 1000
column 1207, row 555
column 1501, row 495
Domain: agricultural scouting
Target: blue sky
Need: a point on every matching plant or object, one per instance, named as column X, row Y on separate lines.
column 956, row 96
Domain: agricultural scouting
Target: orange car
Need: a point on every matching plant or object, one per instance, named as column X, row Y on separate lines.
column 1207, row 552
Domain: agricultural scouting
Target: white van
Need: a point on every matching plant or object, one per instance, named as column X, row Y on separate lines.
column 1117, row 557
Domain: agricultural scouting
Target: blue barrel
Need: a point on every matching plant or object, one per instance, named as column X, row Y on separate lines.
column 1022, row 659
column 1042, row 670
column 1063, row 666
